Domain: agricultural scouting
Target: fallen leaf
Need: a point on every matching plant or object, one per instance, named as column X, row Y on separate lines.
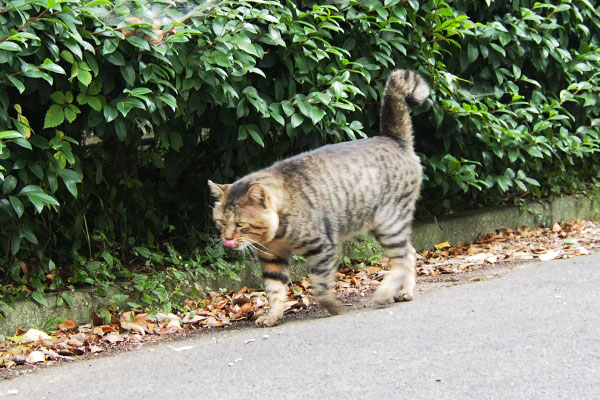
column 182, row 348
column 556, row 227
column 441, row 246
column 74, row 342
column 190, row 318
column 95, row 349
column 373, row 269
column 551, row 255
column 35, row 357
column 97, row 319
column 132, row 326
column 35, row 336
column 68, row 325
column 113, row 338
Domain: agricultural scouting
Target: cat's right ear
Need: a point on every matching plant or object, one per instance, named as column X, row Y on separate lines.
column 218, row 191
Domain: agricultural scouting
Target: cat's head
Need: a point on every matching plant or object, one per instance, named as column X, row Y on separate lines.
column 244, row 214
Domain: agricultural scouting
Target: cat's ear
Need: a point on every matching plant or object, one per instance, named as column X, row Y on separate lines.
column 218, row 191
column 259, row 195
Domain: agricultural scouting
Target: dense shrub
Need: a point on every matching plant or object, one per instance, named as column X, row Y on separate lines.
column 114, row 114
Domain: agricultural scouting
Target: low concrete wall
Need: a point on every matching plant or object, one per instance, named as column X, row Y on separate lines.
column 455, row 229
column 468, row 226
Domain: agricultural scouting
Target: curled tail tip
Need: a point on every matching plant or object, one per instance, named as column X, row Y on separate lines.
column 410, row 84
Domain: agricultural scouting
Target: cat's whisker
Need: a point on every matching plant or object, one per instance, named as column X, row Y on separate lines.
column 254, row 242
column 252, row 251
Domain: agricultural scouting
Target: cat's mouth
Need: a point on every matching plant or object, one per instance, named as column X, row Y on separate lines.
column 230, row 243
column 235, row 245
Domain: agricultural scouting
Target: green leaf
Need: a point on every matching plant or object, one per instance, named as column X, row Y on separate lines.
column 110, row 113
column 498, row 49
column 68, row 175
column 139, row 92
column 26, row 233
column 221, row 59
column 277, row 117
column 245, row 44
column 169, row 100
column 16, row 83
column 125, row 105
column 9, row 184
column 54, row 117
column 108, row 258
column 39, row 297
column 58, row 98
column 15, row 245
column 316, row 114
column 143, row 251
column 48, row 65
column 43, row 198
column 176, row 140
column 70, row 113
column 256, row 136
column 116, row 59
column 5, row 135
column 17, row 205
column 84, row 77
column 10, row 46
column 95, row 103
column 138, row 42
column 67, row 298
column 472, row 52
column 22, row 142
column 296, row 120
column 93, row 267
column 535, row 152
column 120, row 129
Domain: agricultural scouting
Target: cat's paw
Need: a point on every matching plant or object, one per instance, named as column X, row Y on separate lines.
column 333, row 305
column 383, row 296
column 267, row 321
column 402, row 296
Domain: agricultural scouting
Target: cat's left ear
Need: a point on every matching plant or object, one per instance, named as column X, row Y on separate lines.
column 259, row 195
column 218, row 191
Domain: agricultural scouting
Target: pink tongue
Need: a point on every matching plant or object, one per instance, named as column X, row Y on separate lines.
column 229, row 243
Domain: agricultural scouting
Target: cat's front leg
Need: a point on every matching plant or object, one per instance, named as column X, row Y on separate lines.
column 275, row 274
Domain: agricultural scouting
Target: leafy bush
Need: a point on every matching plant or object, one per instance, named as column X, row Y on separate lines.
column 114, row 114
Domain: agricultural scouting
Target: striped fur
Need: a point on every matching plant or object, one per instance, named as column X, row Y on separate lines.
column 307, row 204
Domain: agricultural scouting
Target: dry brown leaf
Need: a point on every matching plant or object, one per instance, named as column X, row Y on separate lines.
column 113, row 338
column 68, row 325
column 95, row 349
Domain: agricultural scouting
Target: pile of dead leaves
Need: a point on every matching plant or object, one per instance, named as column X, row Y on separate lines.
column 560, row 241
column 133, row 328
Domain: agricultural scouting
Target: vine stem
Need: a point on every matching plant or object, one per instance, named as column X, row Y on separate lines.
column 26, row 24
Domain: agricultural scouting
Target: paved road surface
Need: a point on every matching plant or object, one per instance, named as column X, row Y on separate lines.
column 532, row 334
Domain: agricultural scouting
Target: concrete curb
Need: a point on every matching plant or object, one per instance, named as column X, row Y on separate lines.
column 455, row 229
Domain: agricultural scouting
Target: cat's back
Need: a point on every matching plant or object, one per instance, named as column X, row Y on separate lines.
column 379, row 156
column 364, row 151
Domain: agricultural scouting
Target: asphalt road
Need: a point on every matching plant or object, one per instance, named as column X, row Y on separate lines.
column 533, row 333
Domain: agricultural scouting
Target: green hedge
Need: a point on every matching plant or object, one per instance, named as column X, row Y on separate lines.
column 114, row 114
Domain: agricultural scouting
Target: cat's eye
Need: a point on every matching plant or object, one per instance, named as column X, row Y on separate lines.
column 240, row 224
column 219, row 221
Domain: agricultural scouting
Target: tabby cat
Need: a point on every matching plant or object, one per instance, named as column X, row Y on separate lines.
column 308, row 203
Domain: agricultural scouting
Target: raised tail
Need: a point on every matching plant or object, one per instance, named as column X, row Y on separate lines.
column 403, row 88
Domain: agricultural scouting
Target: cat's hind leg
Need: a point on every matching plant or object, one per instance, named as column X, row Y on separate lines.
column 399, row 284
column 323, row 264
